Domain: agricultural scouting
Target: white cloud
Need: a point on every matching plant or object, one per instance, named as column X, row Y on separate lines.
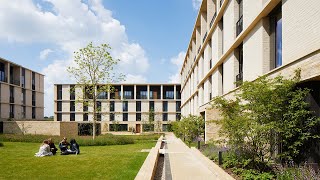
column 135, row 79
column 45, row 53
column 69, row 25
column 196, row 4
column 177, row 60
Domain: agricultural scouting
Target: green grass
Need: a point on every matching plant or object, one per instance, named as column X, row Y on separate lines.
column 94, row 162
column 102, row 140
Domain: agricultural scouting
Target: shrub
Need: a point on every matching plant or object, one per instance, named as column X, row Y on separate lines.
column 1, row 144
column 302, row 172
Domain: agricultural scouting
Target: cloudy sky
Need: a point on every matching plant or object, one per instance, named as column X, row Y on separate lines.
column 149, row 37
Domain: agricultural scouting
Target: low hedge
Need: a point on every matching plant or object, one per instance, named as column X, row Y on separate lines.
column 102, row 140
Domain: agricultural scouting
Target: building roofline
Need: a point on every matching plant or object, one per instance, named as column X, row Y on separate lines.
column 1, row 58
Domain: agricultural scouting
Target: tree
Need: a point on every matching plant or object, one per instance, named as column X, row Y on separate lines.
column 94, row 73
column 268, row 115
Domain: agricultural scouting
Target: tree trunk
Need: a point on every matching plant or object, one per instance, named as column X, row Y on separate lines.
column 94, row 119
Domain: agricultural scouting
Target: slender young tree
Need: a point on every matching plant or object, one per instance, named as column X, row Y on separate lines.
column 93, row 70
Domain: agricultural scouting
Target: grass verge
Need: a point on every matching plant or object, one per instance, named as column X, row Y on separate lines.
column 94, row 162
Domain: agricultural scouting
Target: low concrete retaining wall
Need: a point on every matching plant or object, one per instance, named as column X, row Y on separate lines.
column 51, row 128
column 147, row 171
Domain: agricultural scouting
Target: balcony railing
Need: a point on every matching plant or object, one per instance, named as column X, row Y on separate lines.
column 204, row 37
column 239, row 79
column 221, row 2
column 239, row 25
column 213, row 18
column 15, row 82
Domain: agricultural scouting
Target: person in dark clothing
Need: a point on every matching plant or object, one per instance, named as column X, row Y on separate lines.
column 53, row 148
column 63, row 146
column 74, row 147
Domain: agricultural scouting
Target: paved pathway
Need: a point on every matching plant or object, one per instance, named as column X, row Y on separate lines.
column 186, row 163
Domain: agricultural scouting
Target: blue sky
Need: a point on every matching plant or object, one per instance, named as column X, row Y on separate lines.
column 149, row 37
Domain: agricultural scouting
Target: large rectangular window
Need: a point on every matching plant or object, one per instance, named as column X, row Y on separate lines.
column 72, row 117
column 165, row 106
column 33, row 98
column 23, row 96
column 33, row 81
column 151, row 106
column 125, row 106
column 85, row 106
column 98, row 117
column 72, row 106
column 2, row 72
column 72, row 92
column 23, row 111
column 138, row 106
column 165, row 116
column 59, row 92
column 278, row 40
column 85, row 117
column 116, row 93
column 239, row 55
column 111, row 106
column 11, row 111
column 33, row 112
column 111, row 116
column 11, row 94
column 138, row 117
column 178, row 104
column 125, row 116
column 59, row 117
column 23, row 77
column 276, row 36
column 59, row 106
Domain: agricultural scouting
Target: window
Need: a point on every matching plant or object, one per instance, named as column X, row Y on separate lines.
column 59, row 106
column 88, row 92
column 72, row 106
column 138, row 106
column 98, row 106
column 98, row 117
column 72, row 117
column 125, row 116
column 33, row 81
column 85, row 117
column 239, row 25
column 23, row 77
column 59, row 92
column 143, row 95
column 116, row 94
column 165, row 106
column 165, row 116
column 125, row 106
column 11, row 111
column 278, row 40
column 59, row 117
column 111, row 116
column 23, row 112
column 33, row 98
column 2, row 72
column 151, row 106
column 11, row 94
column 85, row 106
column 169, row 95
column 276, row 36
column 23, row 96
column 72, row 92
column 33, row 112
column 102, row 92
column 178, row 104
column 128, row 95
column 178, row 116
column 111, row 106
column 239, row 76
column 138, row 117
column 178, row 92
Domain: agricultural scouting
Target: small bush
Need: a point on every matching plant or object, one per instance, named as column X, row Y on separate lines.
column 302, row 172
column 1, row 144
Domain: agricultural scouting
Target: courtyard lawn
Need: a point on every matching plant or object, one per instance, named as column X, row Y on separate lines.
column 17, row 161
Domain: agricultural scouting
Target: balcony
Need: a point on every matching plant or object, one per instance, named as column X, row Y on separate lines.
column 204, row 37
column 213, row 18
column 239, row 25
column 15, row 82
column 239, row 79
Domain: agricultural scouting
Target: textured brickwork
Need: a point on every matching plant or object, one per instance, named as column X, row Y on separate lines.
column 31, row 127
column 69, row 129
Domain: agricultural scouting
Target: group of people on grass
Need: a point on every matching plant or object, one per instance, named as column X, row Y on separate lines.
column 48, row 148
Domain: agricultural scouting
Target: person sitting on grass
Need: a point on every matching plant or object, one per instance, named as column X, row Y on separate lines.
column 53, row 148
column 74, row 147
column 63, row 146
column 44, row 150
